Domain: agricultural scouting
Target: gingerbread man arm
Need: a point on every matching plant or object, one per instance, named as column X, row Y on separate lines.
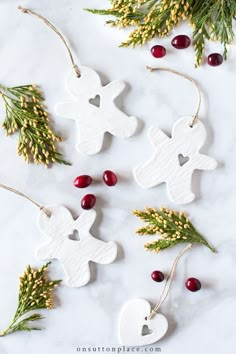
column 108, row 250
column 114, row 88
column 204, row 162
column 67, row 109
column 84, row 223
column 157, row 137
column 45, row 251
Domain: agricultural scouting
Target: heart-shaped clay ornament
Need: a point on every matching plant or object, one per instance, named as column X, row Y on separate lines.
column 135, row 329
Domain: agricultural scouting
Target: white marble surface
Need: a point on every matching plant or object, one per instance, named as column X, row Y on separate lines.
column 199, row 323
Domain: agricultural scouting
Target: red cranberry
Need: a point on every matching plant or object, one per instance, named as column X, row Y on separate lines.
column 109, row 178
column 82, row 181
column 181, row 41
column 157, row 276
column 193, row 284
column 88, row 201
column 158, row 51
column 215, row 59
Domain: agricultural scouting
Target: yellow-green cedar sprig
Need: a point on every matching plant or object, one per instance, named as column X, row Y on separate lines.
column 172, row 226
column 210, row 20
column 36, row 292
column 26, row 114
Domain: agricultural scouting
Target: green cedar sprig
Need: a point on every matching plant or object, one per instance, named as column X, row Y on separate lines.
column 172, row 226
column 210, row 20
column 26, row 114
column 36, row 292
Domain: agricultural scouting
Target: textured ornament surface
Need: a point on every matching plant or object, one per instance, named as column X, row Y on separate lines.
column 75, row 255
column 94, row 120
column 175, row 160
column 132, row 321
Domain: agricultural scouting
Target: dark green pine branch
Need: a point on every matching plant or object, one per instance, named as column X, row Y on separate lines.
column 172, row 226
column 26, row 114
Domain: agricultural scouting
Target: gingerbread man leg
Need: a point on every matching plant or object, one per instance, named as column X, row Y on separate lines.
column 148, row 175
column 122, row 126
column 179, row 187
column 77, row 273
column 91, row 145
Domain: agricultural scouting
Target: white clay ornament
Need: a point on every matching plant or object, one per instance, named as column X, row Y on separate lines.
column 175, row 159
column 91, row 105
column 74, row 255
column 139, row 324
column 94, row 120
column 134, row 322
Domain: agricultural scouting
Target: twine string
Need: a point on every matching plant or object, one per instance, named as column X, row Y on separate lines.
column 50, row 25
column 168, row 283
column 195, row 116
column 10, row 189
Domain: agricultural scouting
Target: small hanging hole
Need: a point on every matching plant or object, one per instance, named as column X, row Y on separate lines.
column 45, row 211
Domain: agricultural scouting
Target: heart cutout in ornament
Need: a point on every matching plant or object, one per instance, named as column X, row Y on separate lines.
column 133, row 321
column 146, row 330
column 183, row 159
column 96, row 101
column 74, row 236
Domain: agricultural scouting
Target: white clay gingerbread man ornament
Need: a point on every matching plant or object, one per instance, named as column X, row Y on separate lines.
column 75, row 255
column 165, row 164
column 94, row 121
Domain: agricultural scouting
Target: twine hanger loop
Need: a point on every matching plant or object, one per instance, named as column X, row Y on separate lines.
column 195, row 116
column 50, row 25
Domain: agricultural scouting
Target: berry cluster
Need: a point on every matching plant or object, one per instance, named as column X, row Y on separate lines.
column 182, row 42
column 192, row 284
column 83, row 181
